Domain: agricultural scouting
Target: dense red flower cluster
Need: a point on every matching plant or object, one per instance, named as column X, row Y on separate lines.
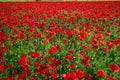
column 54, row 48
column 74, row 75
column 22, row 59
column 69, row 41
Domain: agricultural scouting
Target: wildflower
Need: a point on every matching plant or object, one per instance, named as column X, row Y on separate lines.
column 114, row 67
column 80, row 73
column 2, row 60
column 54, row 63
column 46, row 71
column 32, row 78
column 82, row 52
column 45, row 40
column 72, row 65
column 110, row 77
column 22, row 75
column 85, row 46
column 53, row 74
column 100, row 73
column 37, row 63
column 2, row 67
column 110, row 45
column 105, row 49
column 70, row 51
column 52, row 50
column 65, row 41
column 34, row 54
column 69, row 57
column 70, row 76
column 22, row 60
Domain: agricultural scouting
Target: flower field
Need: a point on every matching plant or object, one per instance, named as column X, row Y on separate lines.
column 60, row 41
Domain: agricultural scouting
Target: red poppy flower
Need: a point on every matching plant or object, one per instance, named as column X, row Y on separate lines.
column 69, row 57
column 49, row 58
column 63, row 75
column 65, row 41
column 94, row 46
column 54, row 74
column 58, row 47
column 45, row 40
column 85, row 46
column 2, row 67
column 107, row 33
column 105, row 49
column 70, row 51
column 32, row 78
column 110, row 78
column 101, row 42
column 86, row 59
column 36, row 34
column 24, row 65
column 54, row 63
column 23, row 55
column 88, row 77
column 22, row 75
column 46, row 71
column 31, row 29
column 38, row 70
column 69, row 33
column 2, row 60
column 72, row 65
column 100, row 73
column 87, row 64
column 52, row 50
column 82, row 52
column 22, row 60
column 80, row 38
column 114, row 67
column 37, row 63
column 6, row 48
column 99, row 35
column 83, row 34
column 70, row 76
column 80, row 73
column 34, row 54
column 110, row 45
